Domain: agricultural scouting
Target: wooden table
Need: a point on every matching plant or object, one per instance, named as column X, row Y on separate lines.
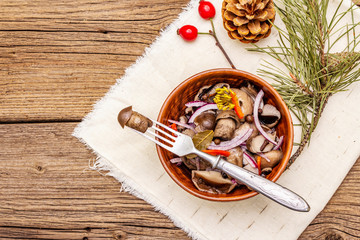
column 57, row 58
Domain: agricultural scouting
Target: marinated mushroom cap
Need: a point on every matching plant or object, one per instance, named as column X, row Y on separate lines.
column 189, row 132
column 226, row 123
column 203, row 91
column 274, row 156
column 184, row 120
column 124, row 116
column 205, row 121
column 212, row 182
column 196, row 163
column 270, row 115
column 207, row 92
column 245, row 101
column 229, row 114
column 250, row 90
column 132, row 119
column 251, row 169
column 260, row 144
column 236, row 156
column 245, row 125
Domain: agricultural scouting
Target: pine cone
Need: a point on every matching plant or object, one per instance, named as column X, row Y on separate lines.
column 247, row 20
column 357, row 2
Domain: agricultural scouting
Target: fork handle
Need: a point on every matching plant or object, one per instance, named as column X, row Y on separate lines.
column 260, row 184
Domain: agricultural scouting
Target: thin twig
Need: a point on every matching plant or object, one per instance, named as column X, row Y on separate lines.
column 301, row 85
column 323, row 61
column 319, row 109
column 213, row 33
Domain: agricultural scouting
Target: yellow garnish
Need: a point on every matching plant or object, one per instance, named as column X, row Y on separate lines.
column 223, row 99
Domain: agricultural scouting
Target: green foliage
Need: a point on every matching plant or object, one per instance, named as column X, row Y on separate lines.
column 314, row 71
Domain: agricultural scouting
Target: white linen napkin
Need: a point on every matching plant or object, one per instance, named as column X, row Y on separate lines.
column 132, row 159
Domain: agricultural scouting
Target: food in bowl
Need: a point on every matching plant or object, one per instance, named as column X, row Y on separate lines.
column 174, row 109
column 234, row 122
column 174, row 106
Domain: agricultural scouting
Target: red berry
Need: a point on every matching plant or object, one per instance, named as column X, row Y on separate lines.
column 206, row 10
column 188, row 32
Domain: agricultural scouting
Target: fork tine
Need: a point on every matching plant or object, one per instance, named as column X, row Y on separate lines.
column 158, row 136
column 163, row 132
column 153, row 140
column 166, row 127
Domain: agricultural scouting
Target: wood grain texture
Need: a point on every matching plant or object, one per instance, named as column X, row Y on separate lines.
column 48, row 192
column 57, row 58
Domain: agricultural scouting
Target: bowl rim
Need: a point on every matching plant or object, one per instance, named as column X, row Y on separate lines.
column 240, row 73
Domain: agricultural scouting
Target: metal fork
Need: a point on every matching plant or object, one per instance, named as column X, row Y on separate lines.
column 181, row 145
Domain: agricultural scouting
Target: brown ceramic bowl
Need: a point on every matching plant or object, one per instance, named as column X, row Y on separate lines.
column 174, row 107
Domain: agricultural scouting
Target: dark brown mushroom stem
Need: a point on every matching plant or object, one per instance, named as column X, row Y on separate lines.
column 132, row 119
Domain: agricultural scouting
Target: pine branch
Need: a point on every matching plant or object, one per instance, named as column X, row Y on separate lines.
column 306, row 138
column 316, row 73
column 301, row 85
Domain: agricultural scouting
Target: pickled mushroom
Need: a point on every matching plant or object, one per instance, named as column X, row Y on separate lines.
column 132, row 119
column 269, row 115
column 212, row 182
column 226, row 123
column 245, row 101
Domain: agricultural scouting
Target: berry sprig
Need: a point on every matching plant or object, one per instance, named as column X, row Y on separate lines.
column 189, row 33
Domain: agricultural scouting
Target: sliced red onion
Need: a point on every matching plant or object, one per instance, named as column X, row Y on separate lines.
column 176, row 160
column 243, row 145
column 182, row 124
column 281, row 139
column 234, row 181
column 236, row 141
column 256, row 117
column 263, row 156
column 195, row 104
column 202, row 109
column 261, row 105
column 250, row 160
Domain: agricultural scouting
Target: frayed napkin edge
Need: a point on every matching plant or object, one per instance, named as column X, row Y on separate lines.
column 102, row 164
column 128, row 185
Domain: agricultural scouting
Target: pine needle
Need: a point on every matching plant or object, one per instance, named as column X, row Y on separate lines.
column 314, row 70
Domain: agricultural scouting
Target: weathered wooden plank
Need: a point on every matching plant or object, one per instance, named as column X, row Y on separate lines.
column 88, row 15
column 48, row 192
column 341, row 217
column 57, row 59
